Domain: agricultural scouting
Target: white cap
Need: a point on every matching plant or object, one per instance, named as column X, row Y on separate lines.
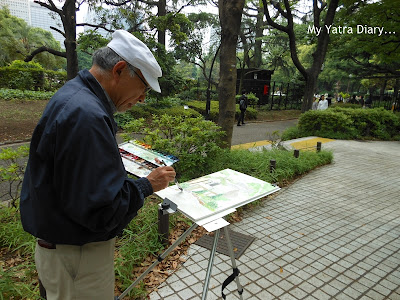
column 136, row 53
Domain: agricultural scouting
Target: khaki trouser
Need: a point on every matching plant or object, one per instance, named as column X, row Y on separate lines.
column 77, row 272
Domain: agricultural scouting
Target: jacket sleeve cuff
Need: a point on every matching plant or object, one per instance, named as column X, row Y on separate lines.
column 144, row 186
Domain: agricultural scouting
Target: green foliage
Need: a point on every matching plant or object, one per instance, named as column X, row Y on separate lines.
column 165, row 102
column 197, row 93
column 192, row 140
column 19, row 64
column 291, row 133
column 257, row 163
column 22, row 75
column 176, row 23
column 90, row 41
column 200, row 106
column 9, row 94
column 18, row 40
column 327, row 123
column 12, row 235
column 251, row 97
column 30, row 76
column 348, row 123
column 361, row 52
column 12, row 170
column 17, row 282
column 169, row 106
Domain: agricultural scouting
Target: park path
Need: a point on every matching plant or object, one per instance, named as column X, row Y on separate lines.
column 332, row 234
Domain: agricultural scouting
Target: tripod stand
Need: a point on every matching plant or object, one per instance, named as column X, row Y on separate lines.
column 210, row 262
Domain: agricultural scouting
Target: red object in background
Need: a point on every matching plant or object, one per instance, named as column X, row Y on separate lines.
column 266, row 89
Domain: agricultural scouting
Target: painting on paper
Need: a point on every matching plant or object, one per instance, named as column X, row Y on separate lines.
column 214, row 193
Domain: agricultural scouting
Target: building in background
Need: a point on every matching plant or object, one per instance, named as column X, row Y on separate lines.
column 35, row 16
column 18, row 8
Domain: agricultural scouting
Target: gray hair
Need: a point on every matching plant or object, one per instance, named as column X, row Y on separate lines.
column 106, row 59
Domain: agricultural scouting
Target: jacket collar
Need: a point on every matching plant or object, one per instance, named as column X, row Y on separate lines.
column 91, row 82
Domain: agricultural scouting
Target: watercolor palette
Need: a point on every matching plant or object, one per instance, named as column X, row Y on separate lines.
column 139, row 159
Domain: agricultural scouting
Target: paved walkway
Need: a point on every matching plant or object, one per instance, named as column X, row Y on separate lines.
column 333, row 234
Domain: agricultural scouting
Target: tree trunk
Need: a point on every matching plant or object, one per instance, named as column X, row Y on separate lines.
column 230, row 15
column 69, row 21
column 162, row 11
column 310, row 75
column 309, row 90
column 258, row 42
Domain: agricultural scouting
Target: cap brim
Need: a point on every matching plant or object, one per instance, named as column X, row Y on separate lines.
column 152, row 81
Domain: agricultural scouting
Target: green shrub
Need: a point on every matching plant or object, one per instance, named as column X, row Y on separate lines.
column 12, row 168
column 10, row 94
column 192, row 140
column 327, row 123
column 165, row 102
column 291, row 133
column 147, row 112
column 30, row 76
column 252, row 99
column 53, row 80
column 256, row 164
column 348, row 123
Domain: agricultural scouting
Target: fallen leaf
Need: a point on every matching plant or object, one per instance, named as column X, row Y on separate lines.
column 235, row 249
column 281, row 270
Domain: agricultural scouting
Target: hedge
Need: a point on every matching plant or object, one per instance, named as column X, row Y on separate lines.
column 147, row 111
column 350, row 123
column 31, row 79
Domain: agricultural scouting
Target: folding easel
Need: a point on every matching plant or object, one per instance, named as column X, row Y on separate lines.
column 169, row 207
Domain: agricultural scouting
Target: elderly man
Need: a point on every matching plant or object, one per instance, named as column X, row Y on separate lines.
column 76, row 196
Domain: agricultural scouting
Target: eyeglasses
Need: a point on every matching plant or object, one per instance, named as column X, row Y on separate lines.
column 148, row 88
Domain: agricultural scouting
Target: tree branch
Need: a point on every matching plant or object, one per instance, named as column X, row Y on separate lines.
column 270, row 21
column 50, row 6
column 44, row 49
column 95, row 26
column 279, row 9
column 58, row 30
column 116, row 4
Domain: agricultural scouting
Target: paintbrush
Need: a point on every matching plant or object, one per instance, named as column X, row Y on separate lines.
column 176, row 180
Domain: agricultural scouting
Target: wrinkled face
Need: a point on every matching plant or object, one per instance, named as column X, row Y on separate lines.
column 128, row 90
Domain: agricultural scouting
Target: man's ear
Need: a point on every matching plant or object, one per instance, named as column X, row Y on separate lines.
column 117, row 69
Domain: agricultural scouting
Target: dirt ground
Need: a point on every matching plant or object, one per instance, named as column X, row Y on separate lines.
column 18, row 119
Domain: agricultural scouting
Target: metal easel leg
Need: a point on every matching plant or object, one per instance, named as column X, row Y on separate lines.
column 234, row 267
column 160, row 258
column 210, row 264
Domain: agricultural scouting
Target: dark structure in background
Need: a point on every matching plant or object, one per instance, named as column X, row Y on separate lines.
column 273, row 94
column 256, row 81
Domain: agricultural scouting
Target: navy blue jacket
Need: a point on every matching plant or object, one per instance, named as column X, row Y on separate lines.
column 75, row 188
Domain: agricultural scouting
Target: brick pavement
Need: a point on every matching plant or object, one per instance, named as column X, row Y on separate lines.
column 332, row 234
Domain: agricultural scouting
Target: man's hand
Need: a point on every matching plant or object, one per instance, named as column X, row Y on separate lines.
column 161, row 177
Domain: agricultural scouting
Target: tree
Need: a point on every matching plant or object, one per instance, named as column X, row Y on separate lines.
column 192, row 49
column 370, row 53
column 17, row 39
column 68, row 18
column 230, row 14
column 321, row 9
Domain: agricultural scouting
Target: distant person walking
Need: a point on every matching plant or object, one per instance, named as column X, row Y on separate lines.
column 242, row 107
column 323, row 103
column 315, row 103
